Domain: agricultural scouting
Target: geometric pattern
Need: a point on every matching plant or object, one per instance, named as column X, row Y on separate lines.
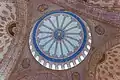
column 60, row 40
column 7, row 16
column 109, row 68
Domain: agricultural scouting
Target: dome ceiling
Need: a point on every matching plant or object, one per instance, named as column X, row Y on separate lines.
column 60, row 40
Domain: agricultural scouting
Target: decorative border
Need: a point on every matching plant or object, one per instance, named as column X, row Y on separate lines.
column 57, row 64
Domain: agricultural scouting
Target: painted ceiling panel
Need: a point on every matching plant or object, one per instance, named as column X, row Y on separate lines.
column 42, row 39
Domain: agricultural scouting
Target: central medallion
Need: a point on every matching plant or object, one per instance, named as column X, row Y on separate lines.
column 59, row 34
column 59, row 39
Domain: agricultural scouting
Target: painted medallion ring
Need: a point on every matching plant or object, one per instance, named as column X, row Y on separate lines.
column 60, row 40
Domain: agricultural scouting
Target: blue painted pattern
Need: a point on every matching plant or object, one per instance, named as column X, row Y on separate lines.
column 55, row 46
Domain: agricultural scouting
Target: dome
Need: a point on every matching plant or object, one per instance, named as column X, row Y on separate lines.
column 60, row 40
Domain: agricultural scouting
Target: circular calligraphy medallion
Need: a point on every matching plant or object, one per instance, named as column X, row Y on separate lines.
column 60, row 40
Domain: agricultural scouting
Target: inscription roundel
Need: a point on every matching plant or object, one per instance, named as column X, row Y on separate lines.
column 60, row 40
